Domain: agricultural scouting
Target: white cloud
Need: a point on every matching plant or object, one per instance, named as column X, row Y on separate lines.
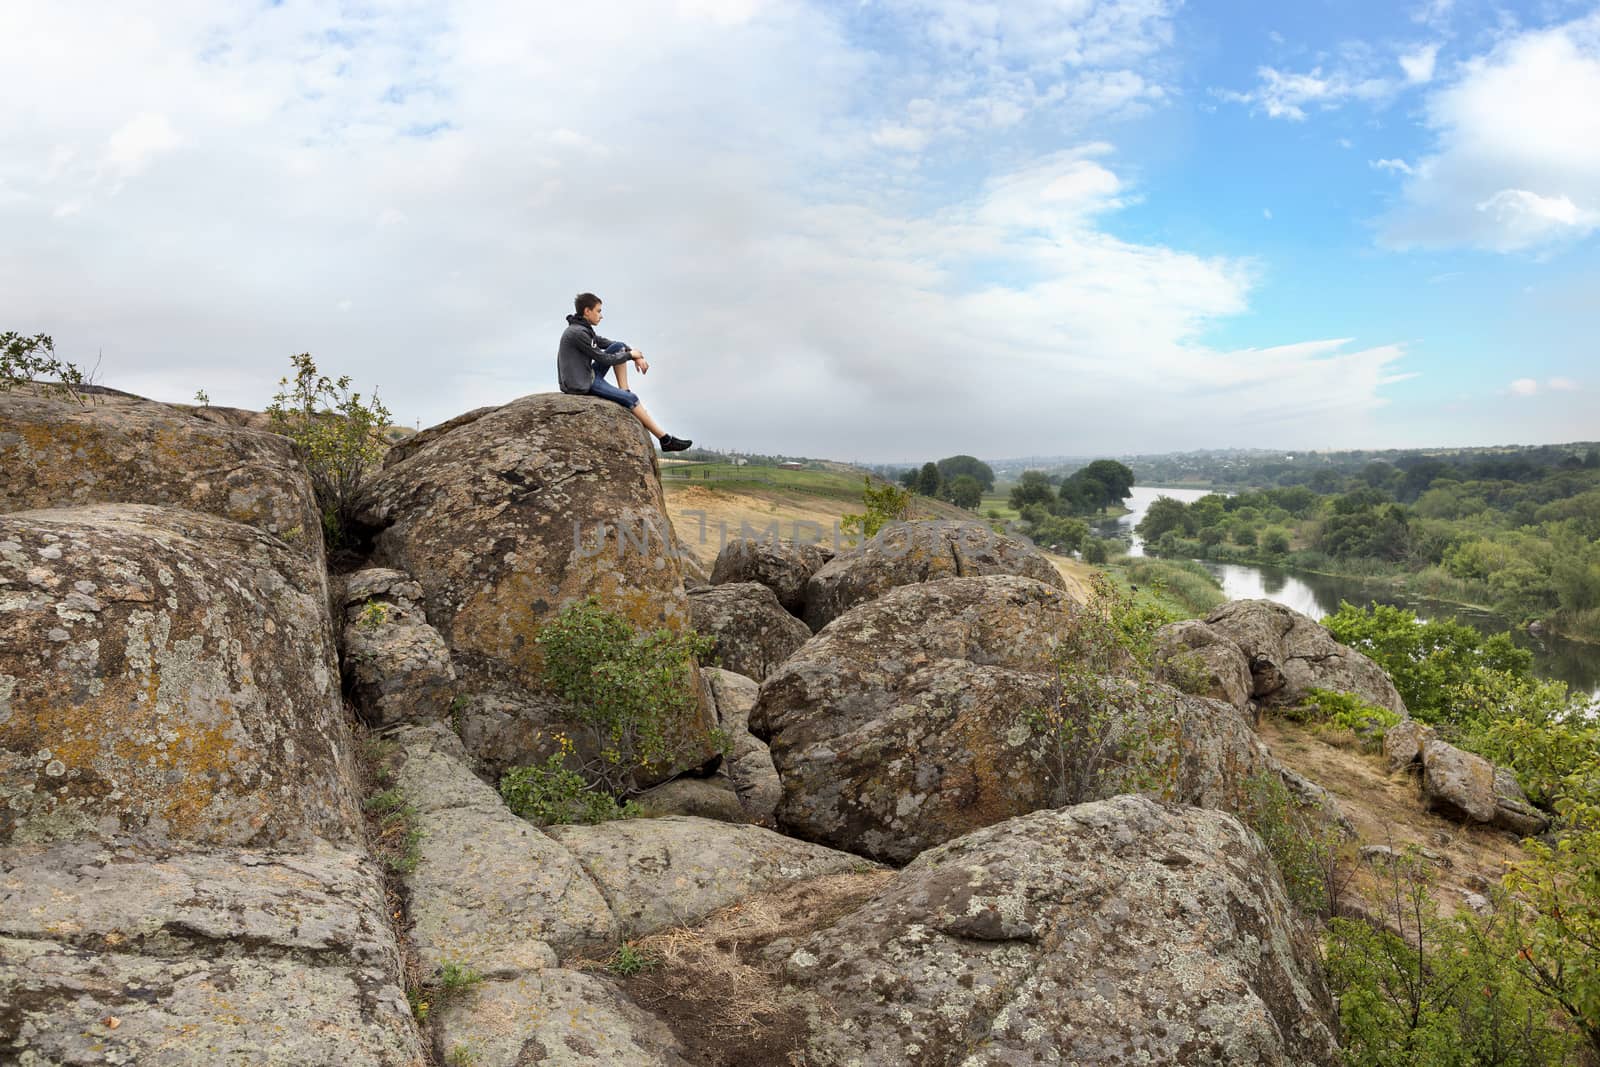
column 1524, row 387
column 1562, row 385
column 1266, row 213
column 1418, row 65
column 1398, row 166
column 414, row 193
column 1516, row 157
column 1287, row 95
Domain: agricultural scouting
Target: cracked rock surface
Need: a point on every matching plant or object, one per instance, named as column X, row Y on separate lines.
column 1109, row 933
column 910, row 552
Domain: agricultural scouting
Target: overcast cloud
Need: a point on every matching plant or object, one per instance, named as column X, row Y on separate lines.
column 826, row 228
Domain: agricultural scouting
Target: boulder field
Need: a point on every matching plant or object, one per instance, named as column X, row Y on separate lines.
column 194, row 714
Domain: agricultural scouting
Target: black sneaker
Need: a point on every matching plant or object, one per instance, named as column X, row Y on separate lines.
column 670, row 443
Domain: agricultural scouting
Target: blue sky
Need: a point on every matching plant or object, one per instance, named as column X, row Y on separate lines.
column 875, row 230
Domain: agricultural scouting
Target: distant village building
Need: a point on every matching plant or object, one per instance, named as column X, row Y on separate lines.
column 792, row 466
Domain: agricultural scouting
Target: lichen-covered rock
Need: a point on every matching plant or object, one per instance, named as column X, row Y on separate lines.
column 912, row 720
column 663, row 872
column 749, row 763
column 505, row 726
column 168, row 672
column 127, row 952
column 1191, row 648
column 1290, row 653
column 506, row 515
column 1108, row 933
column 1402, row 744
column 509, row 515
column 554, row 1018
column 1512, row 810
column 705, row 798
column 489, row 891
column 123, row 449
column 1456, row 783
column 753, row 633
column 907, row 553
column 396, row 667
column 782, row 566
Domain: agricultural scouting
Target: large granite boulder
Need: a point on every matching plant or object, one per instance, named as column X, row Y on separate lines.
column 121, row 951
column 915, row 718
column 505, row 515
column 396, row 667
column 1212, row 665
column 912, row 552
column 166, row 672
column 1463, row 785
column 1290, row 653
column 1108, row 933
column 782, row 566
column 753, row 633
column 122, row 449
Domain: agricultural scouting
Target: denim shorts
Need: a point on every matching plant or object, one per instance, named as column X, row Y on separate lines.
column 606, row 391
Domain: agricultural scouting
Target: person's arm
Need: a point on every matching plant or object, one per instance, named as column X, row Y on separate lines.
column 610, row 360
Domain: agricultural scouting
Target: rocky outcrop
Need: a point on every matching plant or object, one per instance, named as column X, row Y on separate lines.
column 396, row 667
column 1464, row 785
column 1212, row 665
column 1289, row 653
column 489, row 891
column 666, row 872
column 911, row 720
column 1106, row 933
column 119, row 951
column 507, row 514
column 169, row 673
column 748, row 764
column 908, row 553
column 1402, row 744
column 122, row 449
column 753, row 633
column 782, row 566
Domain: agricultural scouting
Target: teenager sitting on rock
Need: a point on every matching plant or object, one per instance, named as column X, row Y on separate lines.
column 585, row 356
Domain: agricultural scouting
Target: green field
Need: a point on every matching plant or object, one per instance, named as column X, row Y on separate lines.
column 830, row 483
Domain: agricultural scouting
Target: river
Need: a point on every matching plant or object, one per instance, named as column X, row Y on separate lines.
column 1316, row 595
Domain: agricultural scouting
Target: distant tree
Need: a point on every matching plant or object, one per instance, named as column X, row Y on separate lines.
column 1591, row 459
column 964, row 491
column 1117, row 478
column 1275, row 542
column 928, row 481
column 908, row 478
column 952, row 467
column 1033, row 488
column 1163, row 514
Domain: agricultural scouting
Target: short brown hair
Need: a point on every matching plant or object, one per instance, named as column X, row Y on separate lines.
column 584, row 301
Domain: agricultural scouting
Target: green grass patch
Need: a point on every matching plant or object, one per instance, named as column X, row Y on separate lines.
column 1182, row 587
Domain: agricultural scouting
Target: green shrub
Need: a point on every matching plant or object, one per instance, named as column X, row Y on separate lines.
column 1345, row 711
column 25, row 359
column 1310, row 853
column 631, row 693
column 1416, row 988
column 1106, row 724
column 338, row 437
column 885, row 503
column 398, row 841
column 456, row 980
column 550, row 794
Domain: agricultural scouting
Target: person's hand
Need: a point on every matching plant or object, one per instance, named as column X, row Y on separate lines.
column 640, row 362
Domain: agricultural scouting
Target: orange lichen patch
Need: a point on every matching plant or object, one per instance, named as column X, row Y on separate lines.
column 118, row 744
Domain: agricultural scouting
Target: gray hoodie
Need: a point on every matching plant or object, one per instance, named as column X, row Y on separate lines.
column 581, row 348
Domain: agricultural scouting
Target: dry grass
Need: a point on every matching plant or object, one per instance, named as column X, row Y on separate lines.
column 717, row 990
column 1389, row 810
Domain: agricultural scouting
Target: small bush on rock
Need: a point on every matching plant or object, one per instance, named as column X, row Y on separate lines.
column 629, row 691
column 23, row 359
column 550, row 794
column 338, row 437
column 1104, row 722
column 1311, row 855
column 884, row 504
